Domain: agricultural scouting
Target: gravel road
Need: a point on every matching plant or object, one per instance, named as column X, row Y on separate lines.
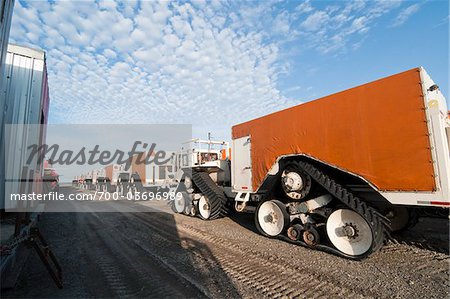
column 159, row 254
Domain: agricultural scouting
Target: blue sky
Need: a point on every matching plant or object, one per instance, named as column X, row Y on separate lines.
column 215, row 64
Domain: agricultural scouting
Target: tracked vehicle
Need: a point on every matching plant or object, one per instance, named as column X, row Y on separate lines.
column 202, row 177
column 336, row 174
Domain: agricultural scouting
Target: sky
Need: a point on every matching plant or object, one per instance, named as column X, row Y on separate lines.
column 215, row 64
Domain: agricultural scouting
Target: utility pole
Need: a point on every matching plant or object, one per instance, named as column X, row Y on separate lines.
column 209, row 141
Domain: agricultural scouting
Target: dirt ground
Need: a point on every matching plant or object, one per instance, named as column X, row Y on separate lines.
column 159, row 254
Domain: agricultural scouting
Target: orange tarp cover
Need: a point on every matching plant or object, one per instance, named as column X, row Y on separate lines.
column 109, row 171
column 377, row 131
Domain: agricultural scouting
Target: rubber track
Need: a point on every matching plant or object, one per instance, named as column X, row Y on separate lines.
column 216, row 197
column 377, row 222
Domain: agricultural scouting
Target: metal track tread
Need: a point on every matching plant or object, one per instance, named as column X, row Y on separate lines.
column 216, row 197
column 377, row 222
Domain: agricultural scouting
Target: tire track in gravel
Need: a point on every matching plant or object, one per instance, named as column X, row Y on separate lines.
column 421, row 258
column 400, row 271
column 269, row 278
column 162, row 247
column 129, row 270
column 437, row 248
column 425, row 262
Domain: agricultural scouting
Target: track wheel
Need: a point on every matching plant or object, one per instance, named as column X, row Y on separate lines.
column 349, row 232
column 204, row 207
column 194, row 209
column 310, row 235
column 296, row 183
column 188, row 206
column 271, row 218
column 188, row 184
column 295, row 231
column 179, row 203
column 401, row 218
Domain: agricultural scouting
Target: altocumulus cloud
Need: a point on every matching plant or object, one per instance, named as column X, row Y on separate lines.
column 212, row 65
column 148, row 62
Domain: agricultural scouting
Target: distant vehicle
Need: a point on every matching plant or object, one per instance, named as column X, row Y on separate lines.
column 51, row 180
column 122, row 185
column 88, row 184
column 135, row 183
column 103, row 184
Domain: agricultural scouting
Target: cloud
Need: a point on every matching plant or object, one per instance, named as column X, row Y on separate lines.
column 211, row 64
column 405, row 14
column 339, row 27
column 150, row 63
column 304, row 7
column 281, row 23
column 315, row 21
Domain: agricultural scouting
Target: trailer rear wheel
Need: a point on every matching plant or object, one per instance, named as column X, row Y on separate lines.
column 349, row 232
column 271, row 218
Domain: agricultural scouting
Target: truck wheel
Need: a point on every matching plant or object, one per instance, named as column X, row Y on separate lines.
column 271, row 218
column 349, row 232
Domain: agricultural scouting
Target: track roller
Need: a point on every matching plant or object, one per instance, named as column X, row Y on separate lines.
column 189, row 205
column 194, row 209
column 310, row 235
column 295, row 232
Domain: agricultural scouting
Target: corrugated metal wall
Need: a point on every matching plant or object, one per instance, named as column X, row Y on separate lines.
column 6, row 10
column 26, row 98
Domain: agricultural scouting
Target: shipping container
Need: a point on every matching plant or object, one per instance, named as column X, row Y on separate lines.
column 6, row 10
column 26, row 97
